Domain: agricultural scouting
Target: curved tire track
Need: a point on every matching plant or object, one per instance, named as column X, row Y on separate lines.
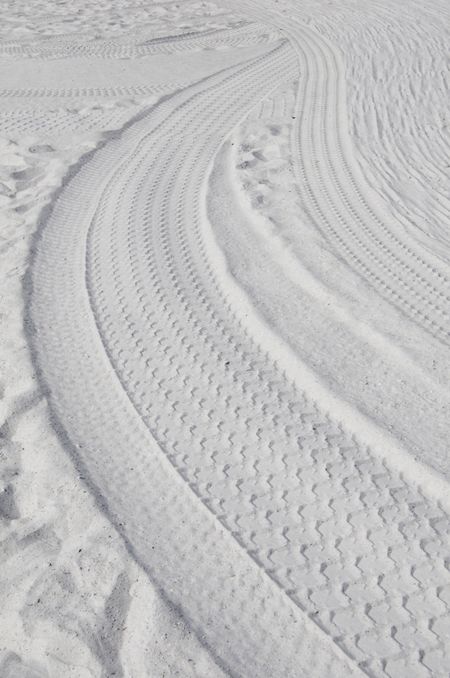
column 235, row 607
column 128, row 48
column 254, row 510
column 338, row 199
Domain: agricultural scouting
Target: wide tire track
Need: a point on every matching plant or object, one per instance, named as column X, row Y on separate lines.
column 158, row 353
column 234, row 607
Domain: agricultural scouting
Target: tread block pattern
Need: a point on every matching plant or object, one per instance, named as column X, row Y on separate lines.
column 349, row 547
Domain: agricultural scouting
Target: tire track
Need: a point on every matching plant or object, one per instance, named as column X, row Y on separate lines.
column 338, row 199
column 129, row 48
column 89, row 92
column 398, row 115
column 344, row 538
column 389, row 263
column 236, row 609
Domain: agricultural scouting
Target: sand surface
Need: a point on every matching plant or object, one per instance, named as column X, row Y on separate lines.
column 224, row 339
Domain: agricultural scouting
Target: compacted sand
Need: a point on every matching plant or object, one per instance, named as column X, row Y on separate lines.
column 224, row 339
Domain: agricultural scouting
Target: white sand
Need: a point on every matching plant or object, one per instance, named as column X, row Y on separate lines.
column 224, row 339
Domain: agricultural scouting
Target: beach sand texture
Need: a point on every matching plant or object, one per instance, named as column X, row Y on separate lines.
column 224, row 339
